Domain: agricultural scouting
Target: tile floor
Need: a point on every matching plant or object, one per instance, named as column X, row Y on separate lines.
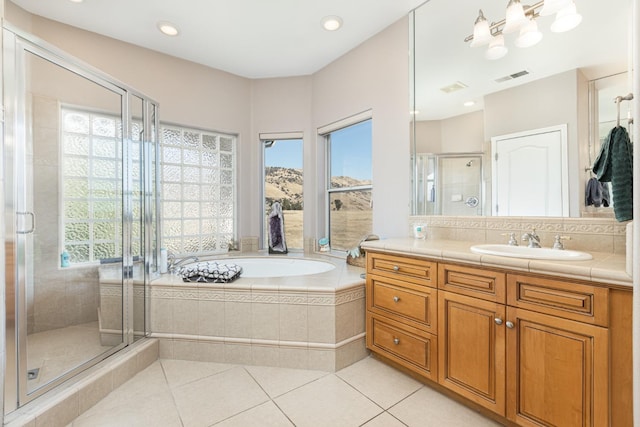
column 192, row 394
column 57, row 351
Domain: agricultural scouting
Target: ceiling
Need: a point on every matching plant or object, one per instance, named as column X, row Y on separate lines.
column 250, row 38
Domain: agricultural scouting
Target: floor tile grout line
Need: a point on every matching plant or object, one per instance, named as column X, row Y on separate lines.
column 173, row 397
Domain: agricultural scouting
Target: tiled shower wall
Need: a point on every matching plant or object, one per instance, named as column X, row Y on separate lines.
column 584, row 234
column 59, row 297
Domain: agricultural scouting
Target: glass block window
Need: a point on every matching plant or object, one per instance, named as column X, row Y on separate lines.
column 91, row 156
column 198, row 189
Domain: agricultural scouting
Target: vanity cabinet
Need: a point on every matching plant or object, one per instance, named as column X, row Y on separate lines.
column 471, row 356
column 402, row 311
column 536, row 350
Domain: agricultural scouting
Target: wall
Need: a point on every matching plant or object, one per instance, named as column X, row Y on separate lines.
column 458, row 134
column 284, row 105
column 558, row 94
column 208, row 99
column 374, row 76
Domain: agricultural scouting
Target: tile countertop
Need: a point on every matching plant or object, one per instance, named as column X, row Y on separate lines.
column 603, row 268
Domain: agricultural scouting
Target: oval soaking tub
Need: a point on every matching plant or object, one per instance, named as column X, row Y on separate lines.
column 276, row 267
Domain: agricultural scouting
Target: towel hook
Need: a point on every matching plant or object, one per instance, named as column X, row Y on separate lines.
column 618, row 100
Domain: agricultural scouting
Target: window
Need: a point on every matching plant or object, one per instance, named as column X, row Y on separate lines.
column 92, row 185
column 198, row 189
column 349, row 184
column 283, row 183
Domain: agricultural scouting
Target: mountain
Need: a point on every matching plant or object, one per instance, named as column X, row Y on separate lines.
column 285, row 185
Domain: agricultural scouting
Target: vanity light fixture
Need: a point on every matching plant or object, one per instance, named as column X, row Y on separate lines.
column 331, row 23
column 469, row 103
column 515, row 18
column 168, row 28
column 481, row 31
column 529, row 34
column 496, row 49
column 566, row 19
column 76, row 1
column 551, row 7
column 522, row 19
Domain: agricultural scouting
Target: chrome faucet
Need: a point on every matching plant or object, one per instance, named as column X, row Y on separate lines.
column 174, row 263
column 532, row 238
column 557, row 244
column 512, row 239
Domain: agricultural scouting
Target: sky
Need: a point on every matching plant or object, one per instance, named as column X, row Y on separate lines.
column 350, row 152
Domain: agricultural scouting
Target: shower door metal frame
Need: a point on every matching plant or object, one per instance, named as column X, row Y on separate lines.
column 16, row 44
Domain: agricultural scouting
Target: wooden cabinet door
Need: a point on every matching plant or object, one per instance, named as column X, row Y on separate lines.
column 558, row 371
column 471, row 349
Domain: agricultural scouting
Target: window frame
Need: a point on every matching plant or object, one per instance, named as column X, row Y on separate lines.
column 325, row 133
column 263, row 139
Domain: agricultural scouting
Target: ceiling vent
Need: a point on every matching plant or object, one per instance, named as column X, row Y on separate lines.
column 453, row 87
column 512, row 76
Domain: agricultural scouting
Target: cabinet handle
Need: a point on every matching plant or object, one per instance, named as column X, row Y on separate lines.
column 396, row 341
column 396, row 268
column 498, row 321
column 396, row 299
column 509, row 325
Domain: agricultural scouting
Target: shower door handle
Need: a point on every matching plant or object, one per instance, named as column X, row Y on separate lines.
column 33, row 223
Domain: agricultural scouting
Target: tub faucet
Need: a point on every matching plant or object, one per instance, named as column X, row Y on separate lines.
column 174, row 262
column 532, row 238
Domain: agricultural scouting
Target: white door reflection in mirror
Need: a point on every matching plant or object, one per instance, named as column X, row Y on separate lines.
column 530, row 175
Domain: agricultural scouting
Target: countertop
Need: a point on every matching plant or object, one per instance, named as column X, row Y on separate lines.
column 605, row 268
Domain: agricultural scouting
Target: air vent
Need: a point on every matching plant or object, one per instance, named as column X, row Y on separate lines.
column 512, row 76
column 453, row 87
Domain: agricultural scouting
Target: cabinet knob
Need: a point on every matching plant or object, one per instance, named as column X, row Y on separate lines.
column 396, row 268
column 396, row 341
column 396, row 299
column 509, row 325
column 498, row 321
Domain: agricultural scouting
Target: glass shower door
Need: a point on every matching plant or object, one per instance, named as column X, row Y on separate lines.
column 65, row 165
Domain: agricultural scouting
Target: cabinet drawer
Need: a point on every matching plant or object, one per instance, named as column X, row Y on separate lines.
column 570, row 300
column 407, row 346
column 418, row 271
column 390, row 298
column 476, row 282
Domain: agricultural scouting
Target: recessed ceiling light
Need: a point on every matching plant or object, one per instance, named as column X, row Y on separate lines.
column 168, row 28
column 331, row 23
column 76, row 1
column 469, row 103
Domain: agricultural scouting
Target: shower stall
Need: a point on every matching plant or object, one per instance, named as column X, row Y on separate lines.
column 81, row 215
column 449, row 184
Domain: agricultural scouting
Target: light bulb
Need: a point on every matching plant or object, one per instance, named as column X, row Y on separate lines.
column 551, row 7
column 496, row 49
column 529, row 35
column 566, row 19
column 481, row 31
column 515, row 17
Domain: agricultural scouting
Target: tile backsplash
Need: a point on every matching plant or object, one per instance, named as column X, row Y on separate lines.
column 584, row 234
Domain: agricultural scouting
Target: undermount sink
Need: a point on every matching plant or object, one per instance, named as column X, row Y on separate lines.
column 531, row 253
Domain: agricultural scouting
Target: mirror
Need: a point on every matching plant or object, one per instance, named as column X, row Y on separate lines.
column 461, row 101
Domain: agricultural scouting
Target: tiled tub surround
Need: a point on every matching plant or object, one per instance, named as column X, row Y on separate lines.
column 311, row 322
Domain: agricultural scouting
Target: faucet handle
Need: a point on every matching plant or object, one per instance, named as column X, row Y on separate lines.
column 557, row 244
column 512, row 239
